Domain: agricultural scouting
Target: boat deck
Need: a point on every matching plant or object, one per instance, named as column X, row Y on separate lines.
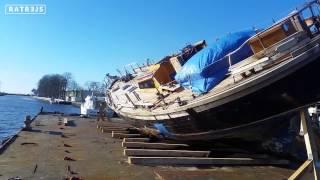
column 40, row 154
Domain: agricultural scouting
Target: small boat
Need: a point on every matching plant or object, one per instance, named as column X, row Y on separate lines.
column 207, row 95
column 93, row 105
column 59, row 101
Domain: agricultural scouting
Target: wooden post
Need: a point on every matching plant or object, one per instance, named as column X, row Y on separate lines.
column 153, row 145
column 311, row 148
column 136, row 139
column 121, row 135
column 202, row 161
column 165, row 153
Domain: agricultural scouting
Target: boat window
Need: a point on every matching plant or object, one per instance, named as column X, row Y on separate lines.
column 125, row 87
column 115, row 89
column 309, row 17
column 146, row 84
column 315, row 9
column 313, row 29
column 285, row 27
column 132, row 89
column 305, row 14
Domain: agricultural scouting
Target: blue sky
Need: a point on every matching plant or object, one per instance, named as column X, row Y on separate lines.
column 92, row 37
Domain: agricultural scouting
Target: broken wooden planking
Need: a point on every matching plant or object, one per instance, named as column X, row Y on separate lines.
column 203, row 161
column 165, row 153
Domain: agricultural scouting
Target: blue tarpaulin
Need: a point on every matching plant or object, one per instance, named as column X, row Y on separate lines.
column 209, row 66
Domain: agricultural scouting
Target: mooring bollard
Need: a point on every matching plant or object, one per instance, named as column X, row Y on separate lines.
column 27, row 123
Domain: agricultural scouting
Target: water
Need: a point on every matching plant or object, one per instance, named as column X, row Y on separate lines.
column 13, row 110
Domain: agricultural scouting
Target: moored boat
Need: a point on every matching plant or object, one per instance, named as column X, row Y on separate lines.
column 230, row 95
column 93, row 104
column 59, row 101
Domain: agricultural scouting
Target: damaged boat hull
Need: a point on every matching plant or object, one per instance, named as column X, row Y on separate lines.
column 241, row 113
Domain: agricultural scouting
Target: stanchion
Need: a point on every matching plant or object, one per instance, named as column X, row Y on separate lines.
column 308, row 170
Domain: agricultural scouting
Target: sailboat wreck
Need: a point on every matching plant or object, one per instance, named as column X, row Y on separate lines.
column 229, row 89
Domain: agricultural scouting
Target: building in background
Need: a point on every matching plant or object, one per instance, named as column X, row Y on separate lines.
column 77, row 95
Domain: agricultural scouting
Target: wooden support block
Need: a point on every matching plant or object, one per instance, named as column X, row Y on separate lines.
column 120, row 132
column 136, row 139
column 122, row 135
column 311, row 147
column 165, row 153
column 123, row 130
column 202, row 161
column 115, row 126
column 110, row 130
column 305, row 171
column 153, row 145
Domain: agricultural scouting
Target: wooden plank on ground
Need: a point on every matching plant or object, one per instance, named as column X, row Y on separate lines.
column 153, row 145
column 311, row 147
column 302, row 171
column 115, row 128
column 118, row 130
column 203, row 161
column 262, row 173
column 136, row 139
column 114, row 124
column 122, row 135
column 165, row 153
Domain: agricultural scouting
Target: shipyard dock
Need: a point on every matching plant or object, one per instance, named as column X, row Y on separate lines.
column 52, row 150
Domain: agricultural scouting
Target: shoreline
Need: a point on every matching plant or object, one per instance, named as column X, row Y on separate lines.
column 6, row 142
column 66, row 149
column 41, row 98
column 75, row 104
column 8, row 138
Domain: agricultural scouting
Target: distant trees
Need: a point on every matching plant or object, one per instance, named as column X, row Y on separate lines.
column 71, row 83
column 56, row 85
column 52, row 85
column 34, row 91
column 96, row 87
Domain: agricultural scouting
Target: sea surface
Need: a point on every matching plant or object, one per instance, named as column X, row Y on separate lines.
column 13, row 110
